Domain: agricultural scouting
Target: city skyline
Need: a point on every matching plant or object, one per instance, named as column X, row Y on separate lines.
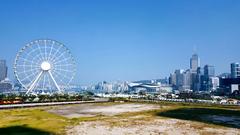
column 127, row 40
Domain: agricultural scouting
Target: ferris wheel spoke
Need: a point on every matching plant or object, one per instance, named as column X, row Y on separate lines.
column 54, row 81
column 64, row 65
column 40, row 51
column 50, row 53
column 63, row 60
column 34, row 51
column 61, row 75
column 34, row 82
column 28, row 76
column 25, row 60
column 64, row 70
column 49, row 81
column 59, row 57
column 45, row 49
column 28, row 66
column 64, row 77
column 56, row 52
column 44, row 81
column 27, row 71
column 30, row 59
column 37, row 60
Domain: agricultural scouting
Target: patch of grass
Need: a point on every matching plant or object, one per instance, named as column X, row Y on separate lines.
column 37, row 119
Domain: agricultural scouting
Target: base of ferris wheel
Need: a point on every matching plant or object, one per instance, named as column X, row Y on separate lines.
column 45, row 69
column 44, row 92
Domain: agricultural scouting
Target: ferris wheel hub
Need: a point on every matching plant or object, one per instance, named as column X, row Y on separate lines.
column 46, row 66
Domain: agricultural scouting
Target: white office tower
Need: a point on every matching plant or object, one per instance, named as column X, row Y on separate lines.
column 194, row 62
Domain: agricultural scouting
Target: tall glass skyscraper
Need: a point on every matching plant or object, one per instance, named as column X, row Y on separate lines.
column 3, row 70
column 194, row 62
column 209, row 71
column 235, row 70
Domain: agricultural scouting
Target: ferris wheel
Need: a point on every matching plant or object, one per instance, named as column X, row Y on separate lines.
column 44, row 66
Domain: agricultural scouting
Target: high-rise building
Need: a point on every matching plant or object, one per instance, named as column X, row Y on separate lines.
column 197, row 79
column 181, row 80
column 209, row 71
column 187, row 80
column 179, row 77
column 214, row 81
column 173, row 80
column 176, row 79
column 235, row 70
column 3, row 70
column 194, row 63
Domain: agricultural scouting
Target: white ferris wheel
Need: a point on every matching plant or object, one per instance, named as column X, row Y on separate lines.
column 44, row 66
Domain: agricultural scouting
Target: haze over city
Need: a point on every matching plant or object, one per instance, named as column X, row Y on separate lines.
column 126, row 40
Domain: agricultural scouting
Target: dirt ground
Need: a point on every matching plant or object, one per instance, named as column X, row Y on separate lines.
column 153, row 127
column 138, row 124
column 90, row 110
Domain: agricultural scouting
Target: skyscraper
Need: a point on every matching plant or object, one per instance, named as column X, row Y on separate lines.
column 235, row 70
column 197, row 79
column 209, row 71
column 179, row 77
column 194, row 63
column 187, row 80
column 3, row 70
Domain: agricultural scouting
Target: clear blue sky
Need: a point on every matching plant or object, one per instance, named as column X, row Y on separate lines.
column 126, row 39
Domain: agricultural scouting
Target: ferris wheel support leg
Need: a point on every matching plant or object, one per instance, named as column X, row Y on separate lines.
column 59, row 90
column 34, row 83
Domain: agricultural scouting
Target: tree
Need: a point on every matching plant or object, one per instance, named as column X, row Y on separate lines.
column 24, row 97
column 2, row 96
column 42, row 98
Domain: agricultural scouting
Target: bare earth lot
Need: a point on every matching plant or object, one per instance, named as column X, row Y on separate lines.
column 90, row 110
column 132, row 119
column 153, row 127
